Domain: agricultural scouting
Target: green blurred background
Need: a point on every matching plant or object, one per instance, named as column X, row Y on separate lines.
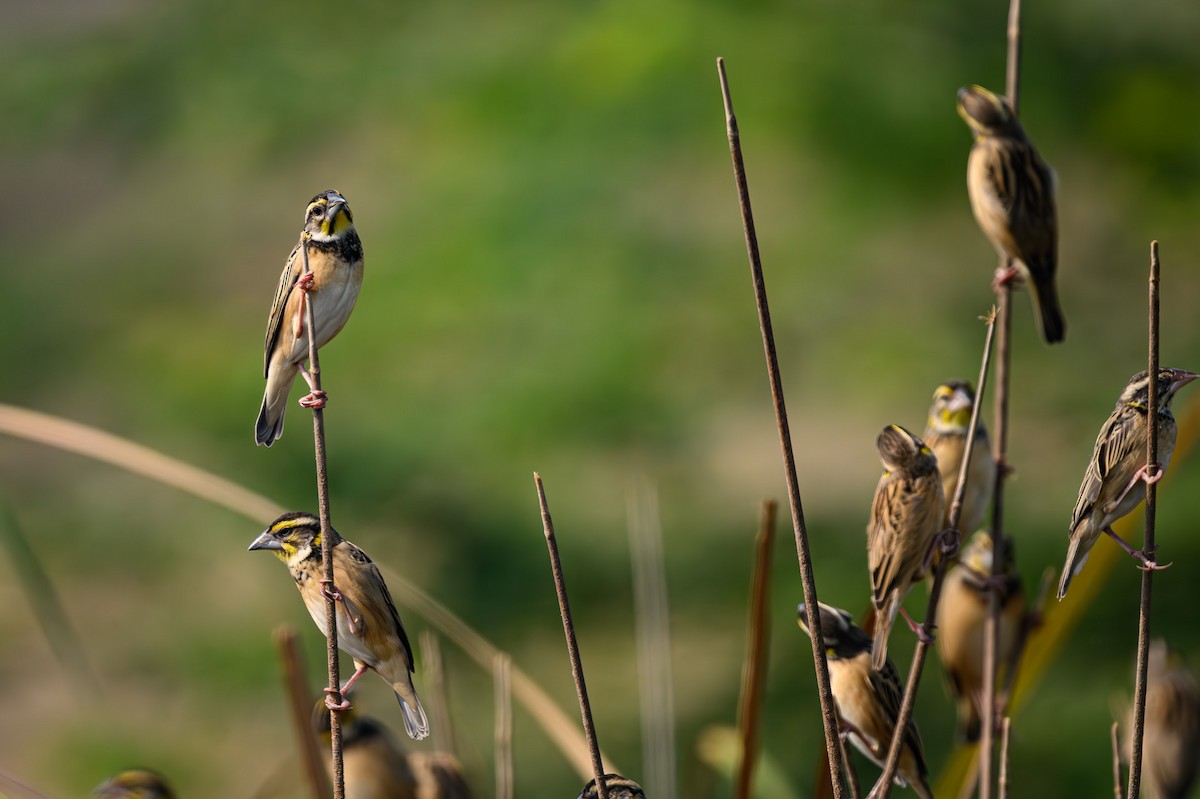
column 555, row 280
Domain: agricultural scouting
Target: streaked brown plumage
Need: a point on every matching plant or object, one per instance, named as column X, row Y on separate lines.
column 616, row 786
column 906, row 517
column 946, row 434
column 135, row 784
column 368, row 625
column 1012, row 195
column 961, row 618
column 1171, row 744
column 868, row 699
column 1119, row 452
column 335, row 257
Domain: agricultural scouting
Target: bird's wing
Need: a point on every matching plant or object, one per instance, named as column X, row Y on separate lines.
column 905, row 512
column 890, row 691
column 1029, row 199
column 1113, row 447
column 287, row 279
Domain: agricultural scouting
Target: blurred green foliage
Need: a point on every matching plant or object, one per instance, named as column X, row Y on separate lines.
column 556, row 280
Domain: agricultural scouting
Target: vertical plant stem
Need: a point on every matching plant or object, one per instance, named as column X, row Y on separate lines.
column 1116, row 760
column 884, row 787
column 439, row 701
column 504, row 753
column 295, row 685
column 991, row 638
column 1148, row 547
column 564, row 607
column 824, row 694
column 1005, row 731
column 335, row 721
column 851, row 774
column 754, row 667
column 653, row 630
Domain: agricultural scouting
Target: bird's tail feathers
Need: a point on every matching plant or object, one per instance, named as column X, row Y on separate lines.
column 884, row 619
column 1048, row 311
column 415, row 722
column 1076, row 557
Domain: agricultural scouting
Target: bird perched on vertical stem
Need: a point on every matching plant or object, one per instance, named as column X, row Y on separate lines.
column 368, row 625
column 1171, row 742
column 946, row 435
column 1118, row 462
column 618, row 787
column 906, row 517
column 335, row 262
column 867, row 698
column 135, row 784
column 961, row 619
column 1012, row 195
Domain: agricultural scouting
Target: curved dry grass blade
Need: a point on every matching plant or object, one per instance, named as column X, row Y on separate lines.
column 439, row 699
column 124, row 454
column 504, row 749
column 13, row 789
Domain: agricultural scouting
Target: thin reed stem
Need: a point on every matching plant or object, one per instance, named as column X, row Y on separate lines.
column 884, row 786
column 991, row 637
column 820, row 665
column 1116, row 759
column 504, row 727
column 1148, row 546
column 439, row 697
column 564, row 607
column 295, row 686
column 653, row 630
column 754, row 666
column 335, row 721
column 1005, row 732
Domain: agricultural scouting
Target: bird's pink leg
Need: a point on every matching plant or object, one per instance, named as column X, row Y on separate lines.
column 1145, row 563
column 917, row 628
column 330, row 590
column 1149, row 474
column 305, row 283
column 315, row 398
column 1005, row 275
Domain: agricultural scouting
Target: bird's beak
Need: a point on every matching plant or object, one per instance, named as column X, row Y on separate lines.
column 265, row 541
column 960, row 401
column 1182, row 378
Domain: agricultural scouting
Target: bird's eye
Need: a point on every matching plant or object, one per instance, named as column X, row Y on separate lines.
column 318, row 211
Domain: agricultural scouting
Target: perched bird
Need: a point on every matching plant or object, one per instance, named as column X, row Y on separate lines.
column 135, row 784
column 376, row 767
column 617, row 787
column 1012, row 196
column 906, row 517
column 1171, row 746
column 868, row 698
column 961, row 617
column 335, row 259
column 946, row 435
column 368, row 626
column 1118, row 461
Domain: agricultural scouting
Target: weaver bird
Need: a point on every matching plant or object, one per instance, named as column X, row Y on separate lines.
column 906, row 517
column 335, row 261
column 1012, row 195
column 867, row 698
column 617, row 787
column 961, row 617
column 1118, row 462
column 1171, row 743
column 368, row 626
column 376, row 767
column 135, row 784
column 946, row 435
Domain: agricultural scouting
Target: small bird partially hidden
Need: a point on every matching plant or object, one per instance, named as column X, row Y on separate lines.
column 946, row 435
column 1012, row 196
column 135, row 784
column 868, row 698
column 1171, row 744
column 906, row 517
column 376, row 767
column 961, row 618
column 368, row 625
column 616, row 786
column 1118, row 463
column 335, row 261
